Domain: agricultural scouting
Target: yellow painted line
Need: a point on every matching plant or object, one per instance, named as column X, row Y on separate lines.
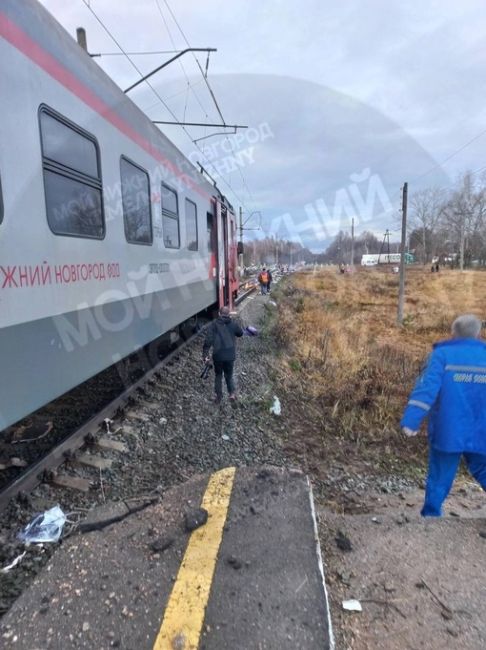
column 185, row 610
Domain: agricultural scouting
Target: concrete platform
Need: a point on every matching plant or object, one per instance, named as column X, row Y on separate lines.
column 249, row 578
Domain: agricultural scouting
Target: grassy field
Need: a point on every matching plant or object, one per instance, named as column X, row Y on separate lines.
column 347, row 368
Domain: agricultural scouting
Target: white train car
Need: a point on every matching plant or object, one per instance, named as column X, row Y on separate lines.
column 109, row 237
column 382, row 258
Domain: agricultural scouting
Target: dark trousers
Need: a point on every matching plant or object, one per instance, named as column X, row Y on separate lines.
column 442, row 470
column 225, row 367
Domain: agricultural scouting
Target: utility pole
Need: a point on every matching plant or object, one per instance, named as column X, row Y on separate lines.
column 401, row 291
column 240, row 260
column 352, row 242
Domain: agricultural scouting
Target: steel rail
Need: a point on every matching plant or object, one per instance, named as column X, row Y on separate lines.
column 57, row 456
column 33, row 475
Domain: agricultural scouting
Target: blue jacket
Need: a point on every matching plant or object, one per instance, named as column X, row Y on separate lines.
column 452, row 392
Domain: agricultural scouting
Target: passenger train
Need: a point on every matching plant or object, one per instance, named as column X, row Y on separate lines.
column 109, row 236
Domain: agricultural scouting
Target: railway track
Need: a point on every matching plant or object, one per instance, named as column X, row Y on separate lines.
column 83, row 445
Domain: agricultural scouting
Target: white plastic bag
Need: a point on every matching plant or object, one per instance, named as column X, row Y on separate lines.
column 44, row 527
column 276, row 409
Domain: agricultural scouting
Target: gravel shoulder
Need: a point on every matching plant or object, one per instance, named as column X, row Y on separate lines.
column 172, row 431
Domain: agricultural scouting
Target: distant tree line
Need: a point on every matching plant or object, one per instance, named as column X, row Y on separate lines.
column 339, row 251
column 450, row 224
column 444, row 224
column 271, row 250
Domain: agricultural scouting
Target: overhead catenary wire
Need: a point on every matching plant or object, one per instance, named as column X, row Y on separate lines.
column 204, row 75
column 180, row 62
column 170, row 111
column 205, row 79
column 139, row 53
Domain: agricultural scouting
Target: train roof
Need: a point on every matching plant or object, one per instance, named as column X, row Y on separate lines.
column 44, row 33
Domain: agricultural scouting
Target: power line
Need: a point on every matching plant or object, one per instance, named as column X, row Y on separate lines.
column 180, row 62
column 210, row 91
column 136, row 53
column 86, row 3
column 204, row 76
column 476, row 137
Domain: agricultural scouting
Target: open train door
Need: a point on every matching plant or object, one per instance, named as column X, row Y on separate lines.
column 225, row 296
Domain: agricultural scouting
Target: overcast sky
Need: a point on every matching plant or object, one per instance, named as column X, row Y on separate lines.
column 357, row 96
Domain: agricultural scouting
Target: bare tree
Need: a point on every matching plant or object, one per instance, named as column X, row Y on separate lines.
column 425, row 214
column 463, row 212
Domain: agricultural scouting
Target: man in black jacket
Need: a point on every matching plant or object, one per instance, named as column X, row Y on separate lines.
column 221, row 337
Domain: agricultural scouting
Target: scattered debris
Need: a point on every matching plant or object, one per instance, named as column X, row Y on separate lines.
column 343, row 542
column 12, row 462
column 352, row 605
column 14, row 563
column 161, row 544
column 44, row 527
column 225, row 437
column 107, row 422
column 195, row 519
column 446, row 612
column 344, row 577
column 234, row 562
column 99, row 524
column 46, row 429
column 276, row 408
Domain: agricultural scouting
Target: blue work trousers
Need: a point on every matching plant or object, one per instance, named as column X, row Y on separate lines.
column 442, row 471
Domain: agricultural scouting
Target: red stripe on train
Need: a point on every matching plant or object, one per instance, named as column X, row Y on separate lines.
column 20, row 40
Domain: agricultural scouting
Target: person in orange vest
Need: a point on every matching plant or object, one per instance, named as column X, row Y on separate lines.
column 263, row 279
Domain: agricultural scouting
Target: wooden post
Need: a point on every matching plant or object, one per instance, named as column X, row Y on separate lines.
column 352, row 242
column 401, row 291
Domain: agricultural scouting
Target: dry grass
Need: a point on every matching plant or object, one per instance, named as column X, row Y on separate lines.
column 347, row 363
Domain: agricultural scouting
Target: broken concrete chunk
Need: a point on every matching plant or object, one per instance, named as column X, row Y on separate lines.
column 352, row 605
column 161, row 544
column 234, row 562
column 343, row 542
column 195, row 519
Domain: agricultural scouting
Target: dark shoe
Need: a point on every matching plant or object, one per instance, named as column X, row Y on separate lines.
column 217, row 399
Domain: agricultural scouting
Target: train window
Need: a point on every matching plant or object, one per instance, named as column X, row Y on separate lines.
column 191, row 226
column 1, row 202
column 72, row 178
column 170, row 217
column 209, row 217
column 135, row 188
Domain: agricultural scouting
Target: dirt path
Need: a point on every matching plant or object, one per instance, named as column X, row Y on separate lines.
column 421, row 583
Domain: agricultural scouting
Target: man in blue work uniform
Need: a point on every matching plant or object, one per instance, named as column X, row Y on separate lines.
column 452, row 392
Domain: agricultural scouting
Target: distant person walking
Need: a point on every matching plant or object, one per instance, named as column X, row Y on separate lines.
column 263, row 279
column 452, row 392
column 221, row 338
column 270, row 280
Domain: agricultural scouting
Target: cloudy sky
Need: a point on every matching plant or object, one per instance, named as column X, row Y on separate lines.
column 345, row 100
